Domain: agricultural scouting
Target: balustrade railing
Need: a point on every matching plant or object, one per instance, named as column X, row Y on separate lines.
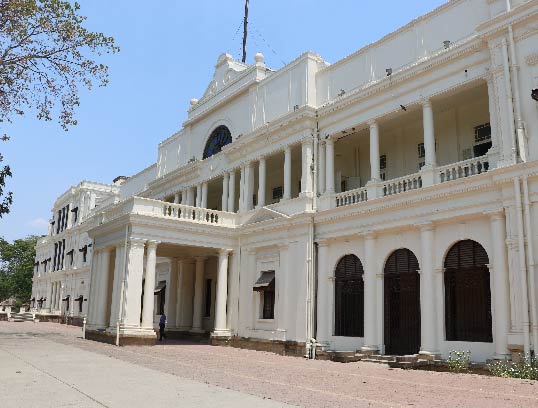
column 351, row 197
column 203, row 215
column 471, row 167
column 401, row 185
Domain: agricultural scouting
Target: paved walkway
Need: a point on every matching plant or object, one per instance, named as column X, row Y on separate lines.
column 58, row 367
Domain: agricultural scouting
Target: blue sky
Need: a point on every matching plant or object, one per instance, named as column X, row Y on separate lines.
column 168, row 52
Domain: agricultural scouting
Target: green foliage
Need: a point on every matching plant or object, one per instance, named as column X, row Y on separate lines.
column 526, row 368
column 458, row 361
column 17, row 269
column 6, row 199
column 45, row 56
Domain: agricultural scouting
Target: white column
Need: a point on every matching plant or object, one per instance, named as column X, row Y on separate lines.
column 428, row 303
column 181, row 273
column 287, row 173
column 184, row 194
column 204, row 195
column 117, row 284
column 94, row 287
column 375, row 171
column 242, row 190
column 225, row 189
column 172, row 294
column 222, row 293
column 190, row 196
column 249, row 187
column 198, row 195
column 185, row 303
column 321, row 168
column 329, row 169
column 370, row 295
column 176, row 198
column 429, row 134
column 59, row 296
column 133, row 284
column 198, row 296
column 231, row 192
column 499, row 272
column 52, row 303
column 261, row 182
column 325, row 309
column 149, row 286
column 496, row 148
column 103, row 278
column 306, row 160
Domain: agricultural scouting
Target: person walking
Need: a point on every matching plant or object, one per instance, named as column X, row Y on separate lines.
column 162, row 324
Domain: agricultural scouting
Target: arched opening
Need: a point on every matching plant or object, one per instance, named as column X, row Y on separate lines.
column 349, row 297
column 467, row 293
column 219, row 138
column 402, row 303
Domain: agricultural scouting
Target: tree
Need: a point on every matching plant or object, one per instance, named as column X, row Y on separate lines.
column 45, row 58
column 17, row 268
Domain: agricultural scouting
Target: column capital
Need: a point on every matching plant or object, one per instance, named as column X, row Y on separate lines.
column 370, row 235
column 329, row 140
column 152, row 244
column 200, row 258
column 307, row 141
column 496, row 214
column 372, row 123
column 426, row 226
column 224, row 252
column 287, row 149
column 426, row 102
column 323, row 243
column 137, row 242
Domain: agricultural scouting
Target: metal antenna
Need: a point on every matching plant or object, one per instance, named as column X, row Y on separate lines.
column 245, row 32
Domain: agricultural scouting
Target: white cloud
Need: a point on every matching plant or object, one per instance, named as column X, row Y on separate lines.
column 38, row 223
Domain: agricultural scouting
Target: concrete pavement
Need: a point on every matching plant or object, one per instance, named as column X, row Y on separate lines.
column 37, row 372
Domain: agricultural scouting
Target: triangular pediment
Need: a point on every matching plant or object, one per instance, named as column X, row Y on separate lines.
column 226, row 70
column 264, row 214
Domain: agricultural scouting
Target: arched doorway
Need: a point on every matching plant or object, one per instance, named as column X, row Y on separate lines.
column 467, row 293
column 402, row 303
column 349, row 297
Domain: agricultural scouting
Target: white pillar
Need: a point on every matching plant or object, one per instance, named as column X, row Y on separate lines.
column 172, row 294
column 94, row 287
column 496, row 148
column 149, row 285
column 261, row 182
column 321, row 168
column 370, row 295
column 329, row 168
column 117, row 284
column 198, row 296
column 429, row 134
column 231, row 192
column 184, row 194
column 499, row 272
column 428, row 303
column 176, row 198
column 59, row 296
column 306, row 160
column 325, row 309
column 375, row 171
column 190, row 196
column 185, row 302
column 249, row 187
column 287, row 173
column 204, row 195
column 222, row 293
column 133, row 284
column 52, row 303
column 242, row 190
column 198, row 195
column 103, row 278
column 225, row 189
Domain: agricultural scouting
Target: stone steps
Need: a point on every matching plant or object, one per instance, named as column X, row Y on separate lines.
column 22, row 317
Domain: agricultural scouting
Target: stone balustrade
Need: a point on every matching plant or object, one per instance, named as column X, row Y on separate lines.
column 351, row 197
column 471, row 167
column 401, row 184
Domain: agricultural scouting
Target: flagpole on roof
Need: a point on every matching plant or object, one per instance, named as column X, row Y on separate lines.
column 245, row 32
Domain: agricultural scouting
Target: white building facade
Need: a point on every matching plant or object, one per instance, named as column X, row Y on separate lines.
column 385, row 203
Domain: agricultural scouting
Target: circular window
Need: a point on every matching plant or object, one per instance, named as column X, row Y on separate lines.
column 219, row 138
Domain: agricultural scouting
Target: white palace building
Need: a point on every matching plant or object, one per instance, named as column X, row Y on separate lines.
column 386, row 203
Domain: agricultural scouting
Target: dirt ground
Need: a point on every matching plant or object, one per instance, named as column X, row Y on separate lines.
column 301, row 382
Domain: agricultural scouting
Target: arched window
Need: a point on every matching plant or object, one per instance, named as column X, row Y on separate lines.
column 349, row 298
column 219, row 138
column 467, row 293
column 401, row 282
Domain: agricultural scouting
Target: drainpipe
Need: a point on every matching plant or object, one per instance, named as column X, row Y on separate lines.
column 531, row 265
column 122, row 294
column 520, row 125
column 510, row 99
column 522, row 268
